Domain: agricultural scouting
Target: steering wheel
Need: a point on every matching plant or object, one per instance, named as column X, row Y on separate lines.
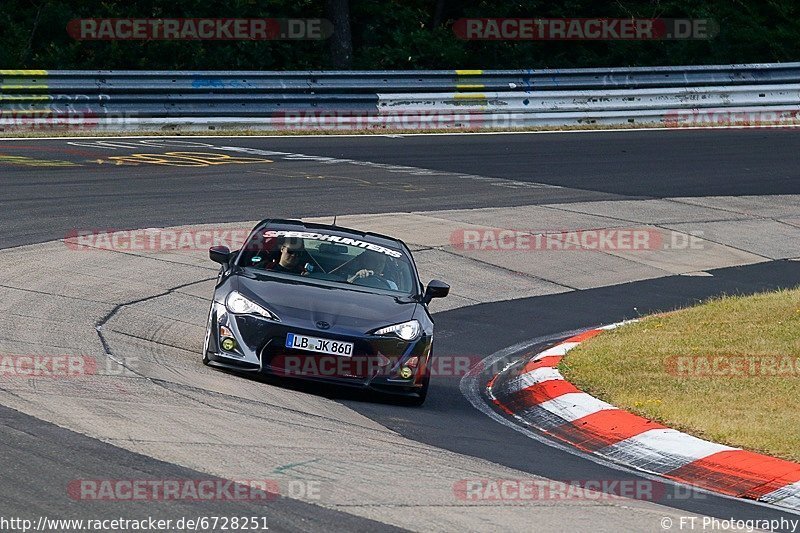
column 376, row 282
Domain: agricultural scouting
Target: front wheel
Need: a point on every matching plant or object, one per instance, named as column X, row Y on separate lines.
column 422, row 393
column 207, row 342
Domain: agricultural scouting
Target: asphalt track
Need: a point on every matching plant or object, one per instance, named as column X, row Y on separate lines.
column 42, row 203
column 448, row 419
column 40, row 459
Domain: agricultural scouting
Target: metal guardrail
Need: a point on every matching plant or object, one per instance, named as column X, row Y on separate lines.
column 166, row 100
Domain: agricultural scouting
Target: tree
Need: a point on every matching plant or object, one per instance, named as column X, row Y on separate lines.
column 341, row 42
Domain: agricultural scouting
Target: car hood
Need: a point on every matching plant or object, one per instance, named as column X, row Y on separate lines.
column 346, row 310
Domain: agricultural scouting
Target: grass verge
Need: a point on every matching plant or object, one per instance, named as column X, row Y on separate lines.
column 237, row 132
column 727, row 370
column 234, row 132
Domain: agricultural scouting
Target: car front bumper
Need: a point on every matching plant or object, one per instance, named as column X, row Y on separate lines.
column 377, row 362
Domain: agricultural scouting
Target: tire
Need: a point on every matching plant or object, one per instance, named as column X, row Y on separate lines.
column 423, row 392
column 207, row 342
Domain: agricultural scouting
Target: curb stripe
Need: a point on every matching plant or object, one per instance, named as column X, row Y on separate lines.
column 575, row 405
column 661, row 450
column 532, row 378
column 604, row 428
column 541, row 419
column 537, row 395
column 740, row 473
column 788, row 496
column 540, row 393
column 586, row 335
column 551, row 361
column 558, row 349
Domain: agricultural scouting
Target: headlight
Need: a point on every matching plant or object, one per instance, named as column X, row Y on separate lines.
column 407, row 331
column 238, row 304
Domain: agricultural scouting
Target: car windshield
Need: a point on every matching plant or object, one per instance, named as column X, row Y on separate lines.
column 322, row 256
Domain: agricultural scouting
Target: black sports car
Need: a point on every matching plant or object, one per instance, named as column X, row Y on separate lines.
column 323, row 302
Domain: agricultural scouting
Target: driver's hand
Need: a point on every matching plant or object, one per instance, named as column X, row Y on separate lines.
column 363, row 273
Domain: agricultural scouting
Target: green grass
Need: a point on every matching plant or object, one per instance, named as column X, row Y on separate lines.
column 633, row 367
column 295, row 132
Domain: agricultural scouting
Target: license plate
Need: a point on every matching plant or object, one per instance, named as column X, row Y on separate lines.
column 314, row 344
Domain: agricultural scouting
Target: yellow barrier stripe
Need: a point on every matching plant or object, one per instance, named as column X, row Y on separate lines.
column 4, row 87
column 470, row 96
column 24, row 98
column 23, row 73
column 467, row 86
column 19, row 112
column 469, row 72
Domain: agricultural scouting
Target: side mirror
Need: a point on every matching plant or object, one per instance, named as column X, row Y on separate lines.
column 220, row 254
column 436, row 289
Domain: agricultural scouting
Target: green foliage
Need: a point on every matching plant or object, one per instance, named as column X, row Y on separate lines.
column 395, row 35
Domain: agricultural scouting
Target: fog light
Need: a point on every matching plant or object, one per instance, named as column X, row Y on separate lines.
column 406, row 372
column 228, row 344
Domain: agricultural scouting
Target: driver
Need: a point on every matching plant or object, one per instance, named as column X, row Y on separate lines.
column 373, row 265
column 292, row 251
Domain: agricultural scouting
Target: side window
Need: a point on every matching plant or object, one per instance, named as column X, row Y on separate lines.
column 257, row 251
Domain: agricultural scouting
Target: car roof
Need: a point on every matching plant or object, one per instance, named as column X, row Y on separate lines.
column 299, row 225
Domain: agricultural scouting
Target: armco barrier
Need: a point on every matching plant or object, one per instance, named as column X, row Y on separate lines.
column 468, row 99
